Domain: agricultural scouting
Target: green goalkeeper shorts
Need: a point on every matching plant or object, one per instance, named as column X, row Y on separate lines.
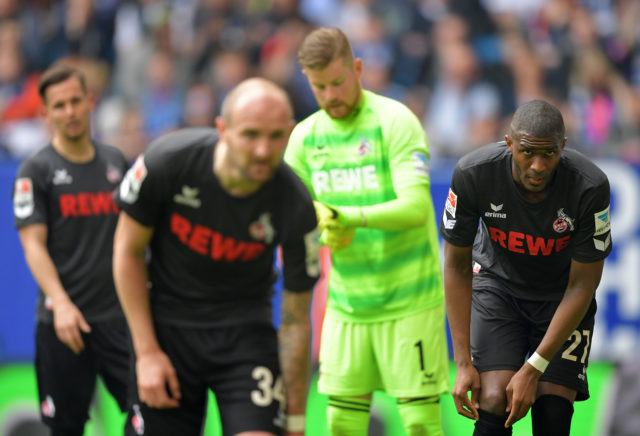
column 406, row 358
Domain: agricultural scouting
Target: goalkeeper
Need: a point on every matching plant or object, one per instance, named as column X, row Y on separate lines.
column 364, row 159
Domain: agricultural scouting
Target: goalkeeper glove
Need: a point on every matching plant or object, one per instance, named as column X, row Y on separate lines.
column 330, row 217
column 337, row 239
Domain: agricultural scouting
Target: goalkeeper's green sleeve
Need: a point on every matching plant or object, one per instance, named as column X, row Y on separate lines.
column 410, row 209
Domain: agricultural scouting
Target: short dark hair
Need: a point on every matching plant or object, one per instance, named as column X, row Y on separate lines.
column 540, row 119
column 322, row 46
column 59, row 73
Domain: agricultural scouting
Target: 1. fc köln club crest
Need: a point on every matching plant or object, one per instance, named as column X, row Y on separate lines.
column 563, row 222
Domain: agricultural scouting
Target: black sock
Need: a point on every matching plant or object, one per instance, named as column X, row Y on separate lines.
column 67, row 432
column 491, row 424
column 551, row 416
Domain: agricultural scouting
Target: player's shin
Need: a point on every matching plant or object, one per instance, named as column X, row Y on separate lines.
column 551, row 416
column 421, row 416
column 491, row 424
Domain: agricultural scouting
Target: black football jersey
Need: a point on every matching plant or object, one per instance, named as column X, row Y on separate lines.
column 212, row 254
column 75, row 202
column 522, row 247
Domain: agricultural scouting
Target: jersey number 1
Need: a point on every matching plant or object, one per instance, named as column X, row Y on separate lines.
column 418, row 345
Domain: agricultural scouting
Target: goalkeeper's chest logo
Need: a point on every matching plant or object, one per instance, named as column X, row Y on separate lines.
column 365, row 147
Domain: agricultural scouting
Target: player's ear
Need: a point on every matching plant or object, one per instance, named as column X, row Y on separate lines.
column 220, row 124
column 508, row 141
column 357, row 66
column 92, row 101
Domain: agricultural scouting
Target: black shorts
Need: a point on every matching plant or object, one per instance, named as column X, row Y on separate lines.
column 506, row 329
column 238, row 363
column 66, row 381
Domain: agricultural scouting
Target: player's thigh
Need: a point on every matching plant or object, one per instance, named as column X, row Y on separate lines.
column 568, row 367
column 347, row 362
column 412, row 354
column 183, row 348
column 248, row 386
column 66, row 380
column 111, row 348
column 499, row 337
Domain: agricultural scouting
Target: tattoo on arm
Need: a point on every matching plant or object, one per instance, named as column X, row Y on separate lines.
column 295, row 339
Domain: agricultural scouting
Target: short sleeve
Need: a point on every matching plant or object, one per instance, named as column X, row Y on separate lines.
column 30, row 192
column 459, row 223
column 300, row 245
column 592, row 241
column 139, row 193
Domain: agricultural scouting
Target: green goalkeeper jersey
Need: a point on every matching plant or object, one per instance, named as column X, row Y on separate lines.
column 362, row 160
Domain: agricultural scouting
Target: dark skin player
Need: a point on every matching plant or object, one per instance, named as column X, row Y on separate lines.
column 533, row 168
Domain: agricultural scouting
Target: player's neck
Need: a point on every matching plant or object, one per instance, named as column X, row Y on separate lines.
column 80, row 151
column 229, row 176
column 533, row 197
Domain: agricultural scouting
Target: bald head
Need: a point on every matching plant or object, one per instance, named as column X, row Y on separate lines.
column 252, row 91
column 254, row 128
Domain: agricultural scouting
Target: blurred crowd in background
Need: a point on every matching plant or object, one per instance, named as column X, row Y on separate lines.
column 462, row 66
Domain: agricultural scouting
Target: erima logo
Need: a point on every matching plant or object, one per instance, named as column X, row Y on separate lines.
column 61, row 177
column 188, row 197
column 496, row 211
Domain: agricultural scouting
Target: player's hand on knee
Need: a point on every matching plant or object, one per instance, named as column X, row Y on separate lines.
column 521, row 393
column 158, row 384
column 69, row 325
column 467, row 380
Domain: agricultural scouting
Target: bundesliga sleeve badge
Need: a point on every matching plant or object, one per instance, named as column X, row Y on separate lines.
column 450, row 209
column 602, row 227
column 130, row 186
column 23, row 201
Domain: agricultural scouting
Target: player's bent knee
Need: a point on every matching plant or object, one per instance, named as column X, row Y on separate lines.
column 493, row 400
column 348, row 416
column 421, row 416
column 551, row 416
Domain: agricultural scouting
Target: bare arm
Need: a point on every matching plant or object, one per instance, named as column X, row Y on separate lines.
column 583, row 281
column 457, row 285
column 68, row 321
column 153, row 367
column 295, row 338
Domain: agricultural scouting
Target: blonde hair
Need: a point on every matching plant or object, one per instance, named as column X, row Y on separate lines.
column 322, row 46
